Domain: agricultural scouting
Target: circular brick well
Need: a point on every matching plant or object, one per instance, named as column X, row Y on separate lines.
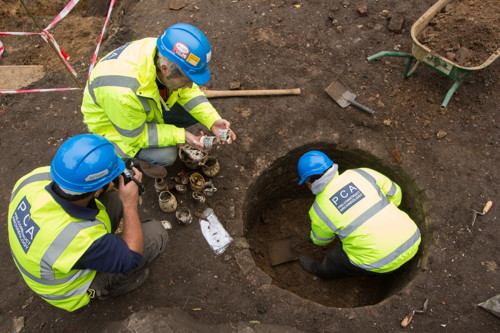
column 276, row 207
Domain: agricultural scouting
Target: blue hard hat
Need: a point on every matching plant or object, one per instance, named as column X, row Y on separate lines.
column 85, row 163
column 188, row 47
column 313, row 163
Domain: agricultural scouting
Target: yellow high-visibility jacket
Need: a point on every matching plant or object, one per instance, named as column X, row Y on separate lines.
column 46, row 242
column 361, row 207
column 122, row 102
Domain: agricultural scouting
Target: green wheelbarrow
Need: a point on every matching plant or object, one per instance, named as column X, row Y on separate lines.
column 422, row 54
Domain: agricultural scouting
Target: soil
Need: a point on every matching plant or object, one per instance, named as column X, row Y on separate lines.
column 465, row 32
column 443, row 158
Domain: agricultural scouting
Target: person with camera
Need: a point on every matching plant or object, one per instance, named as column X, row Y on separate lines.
column 62, row 221
column 144, row 94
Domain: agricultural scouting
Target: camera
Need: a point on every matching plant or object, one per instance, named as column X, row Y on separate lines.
column 128, row 174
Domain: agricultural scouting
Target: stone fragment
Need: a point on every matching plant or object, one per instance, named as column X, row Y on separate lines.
column 450, row 55
column 234, row 85
column 363, row 10
column 235, row 228
column 396, row 23
column 177, row 4
column 244, row 261
column 241, row 243
column 441, row 134
column 463, row 55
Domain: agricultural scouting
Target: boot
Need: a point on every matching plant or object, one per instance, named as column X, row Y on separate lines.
column 152, row 171
column 130, row 281
column 309, row 264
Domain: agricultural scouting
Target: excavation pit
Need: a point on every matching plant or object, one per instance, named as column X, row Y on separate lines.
column 277, row 208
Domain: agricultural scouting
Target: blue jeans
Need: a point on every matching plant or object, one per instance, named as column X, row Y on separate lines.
column 165, row 156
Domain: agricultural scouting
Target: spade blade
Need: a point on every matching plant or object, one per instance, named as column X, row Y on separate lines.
column 281, row 251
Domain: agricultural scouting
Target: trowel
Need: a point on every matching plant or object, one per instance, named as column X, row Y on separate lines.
column 344, row 96
column 283, row 250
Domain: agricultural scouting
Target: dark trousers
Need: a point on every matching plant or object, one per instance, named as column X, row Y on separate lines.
column 336, row 264
column 106, row 285
column 165, row 156
column 178, row 116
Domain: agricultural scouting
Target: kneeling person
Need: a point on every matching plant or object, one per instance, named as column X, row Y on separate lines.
column 361, row 207
column 62, row 221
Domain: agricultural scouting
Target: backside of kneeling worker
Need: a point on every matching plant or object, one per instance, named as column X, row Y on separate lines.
column 361, row 207
column 62, row 221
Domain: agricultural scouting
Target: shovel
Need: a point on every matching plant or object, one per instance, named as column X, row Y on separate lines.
column 283, row 250
column 344, row 96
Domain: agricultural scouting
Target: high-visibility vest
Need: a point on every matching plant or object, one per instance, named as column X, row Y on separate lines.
column 361, row 207
column 46, row 242
column 122, row 102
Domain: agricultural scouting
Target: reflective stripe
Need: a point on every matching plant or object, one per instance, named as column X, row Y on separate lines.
column 323, row 217
column 129, row 133
column 118, row 81
column 120, row 152
column 60, row 244
column 321, row 238
column 145, row 104
column 392, row 191
column 75, row 292
column 31, row 179
column 369, row 178
column 372, row 180
column 152, row 135
column 66, row 279
column 363, row 218
column 370, row 212
column 393, row 255
column 194, row 102
column 112, row 81
column 124, row 82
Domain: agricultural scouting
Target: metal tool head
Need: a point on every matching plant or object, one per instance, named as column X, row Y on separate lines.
column 340, row 93
column 281, row 251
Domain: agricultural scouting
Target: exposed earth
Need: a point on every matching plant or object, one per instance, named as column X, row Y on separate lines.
column 445, row 160
column 464, row 32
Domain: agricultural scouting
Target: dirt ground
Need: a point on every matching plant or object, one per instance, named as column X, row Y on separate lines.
column 465, row 32
column 443, row 158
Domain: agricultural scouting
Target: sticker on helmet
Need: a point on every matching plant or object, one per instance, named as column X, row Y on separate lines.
column 97, row 175
column 209, row 56
column 193, row 60
column 181, row 50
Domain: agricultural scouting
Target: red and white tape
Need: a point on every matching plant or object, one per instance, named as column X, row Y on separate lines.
column 94, row 57
column 2, row 48
column 45, row 34
column 5, row 92
column 63, row 13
